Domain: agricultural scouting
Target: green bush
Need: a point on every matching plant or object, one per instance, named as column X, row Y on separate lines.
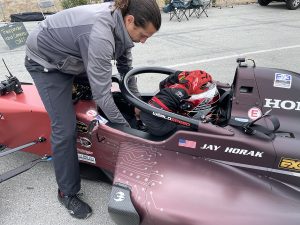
column 72, row 3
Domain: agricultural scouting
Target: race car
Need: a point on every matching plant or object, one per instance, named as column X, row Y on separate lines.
column 240, row 164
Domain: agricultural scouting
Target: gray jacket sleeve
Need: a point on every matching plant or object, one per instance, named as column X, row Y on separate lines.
column 97, row 51
column 124, row 64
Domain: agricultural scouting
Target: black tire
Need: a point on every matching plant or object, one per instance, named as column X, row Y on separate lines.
column 2, row 147
column 264, row 2
column 292, row 4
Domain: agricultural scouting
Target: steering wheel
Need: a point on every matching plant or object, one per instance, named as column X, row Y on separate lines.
column 178, row 119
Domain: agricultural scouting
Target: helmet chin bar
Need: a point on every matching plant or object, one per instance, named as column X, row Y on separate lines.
column 178, row 119
column 203, row 105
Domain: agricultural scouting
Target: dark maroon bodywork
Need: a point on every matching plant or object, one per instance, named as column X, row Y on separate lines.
column 220, row 175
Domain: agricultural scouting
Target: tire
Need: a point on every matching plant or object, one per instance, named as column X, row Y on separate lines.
column 266, row 2
column 292, row 4
column 2, row 147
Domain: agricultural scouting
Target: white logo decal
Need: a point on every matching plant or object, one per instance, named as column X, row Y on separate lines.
column 91, row 113
column 210, row 147
column 161, row 116
column 254, row 113
column 244, row 120
column 86, row 158
column 239, row 151
column 282, row 104
column 119, row 196
column 85, row 142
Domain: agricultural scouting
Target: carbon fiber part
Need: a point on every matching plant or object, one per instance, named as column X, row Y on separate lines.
column 120, row 206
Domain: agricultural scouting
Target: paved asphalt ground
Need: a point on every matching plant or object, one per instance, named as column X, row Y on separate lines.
column 270, row 35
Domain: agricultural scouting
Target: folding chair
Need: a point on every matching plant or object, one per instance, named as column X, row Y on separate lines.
column 46, row 4
column 179, row 9
column 205, row 4
column 195, row 8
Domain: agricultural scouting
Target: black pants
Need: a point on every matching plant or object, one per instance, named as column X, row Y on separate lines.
column 55, row 89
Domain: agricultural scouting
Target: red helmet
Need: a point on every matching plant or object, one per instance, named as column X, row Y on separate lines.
column 201, row 106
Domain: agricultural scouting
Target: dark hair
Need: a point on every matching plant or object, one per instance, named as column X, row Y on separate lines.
column 144, row 11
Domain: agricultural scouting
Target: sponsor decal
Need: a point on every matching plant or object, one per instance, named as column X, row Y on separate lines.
column 81, row 127
column 119, row 196
column 91, row 113
column 282, row 104
column 268, row 169
column 101, row 119
column 161, row 116
column 289, row 164
column 179, row 93
column 85, row 142
column 86, row 158
column 180, row 122
column 282, row 80
column 210, row 147
column 187, row 143
column 85, row 151
column 245, row 152
column 243, row 120
column 254, row 113
column 171, row 119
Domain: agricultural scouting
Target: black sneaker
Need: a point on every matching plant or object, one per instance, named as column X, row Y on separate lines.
column 76, row 207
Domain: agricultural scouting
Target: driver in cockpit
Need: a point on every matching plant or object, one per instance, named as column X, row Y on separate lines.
column 188, row 93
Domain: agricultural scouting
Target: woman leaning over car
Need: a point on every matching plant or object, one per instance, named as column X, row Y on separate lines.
column 83, row 41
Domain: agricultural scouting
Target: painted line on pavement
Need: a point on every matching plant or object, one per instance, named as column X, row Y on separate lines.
column 234, row 56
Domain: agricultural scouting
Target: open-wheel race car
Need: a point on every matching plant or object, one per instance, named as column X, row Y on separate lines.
column 241, row 167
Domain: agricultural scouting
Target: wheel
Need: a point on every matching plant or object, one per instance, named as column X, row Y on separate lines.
column 2, row 147
column 264, row 2
column 292, row 4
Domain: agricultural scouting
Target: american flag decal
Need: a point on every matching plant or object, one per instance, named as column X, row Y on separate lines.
column 187, row 143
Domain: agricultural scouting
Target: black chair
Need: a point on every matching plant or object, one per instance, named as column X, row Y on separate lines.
column 198, row 7
column 177, row 9
column 205, row 4
column 45, row 5
column 195, row 8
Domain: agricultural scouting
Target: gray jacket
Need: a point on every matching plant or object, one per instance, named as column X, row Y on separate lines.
column 85, row 39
